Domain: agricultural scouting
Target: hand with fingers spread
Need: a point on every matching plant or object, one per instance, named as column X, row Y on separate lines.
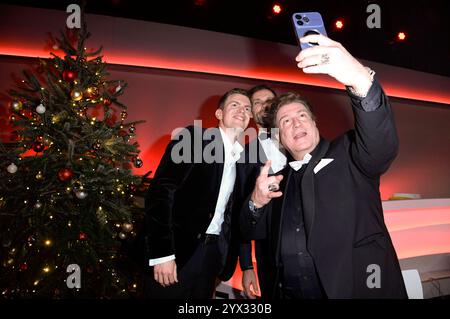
column 330, row 57
column 166, row 273
column 265, row 187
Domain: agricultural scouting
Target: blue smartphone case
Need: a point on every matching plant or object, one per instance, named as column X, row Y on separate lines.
column 306, row 23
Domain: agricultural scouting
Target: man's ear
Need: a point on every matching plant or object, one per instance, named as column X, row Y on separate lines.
column 219, row 114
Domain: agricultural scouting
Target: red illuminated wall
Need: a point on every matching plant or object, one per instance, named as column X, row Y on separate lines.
column 177, row 74
column 191, row 68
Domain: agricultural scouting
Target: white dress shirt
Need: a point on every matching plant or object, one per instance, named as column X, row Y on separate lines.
column 273, row 153
column 232, row 154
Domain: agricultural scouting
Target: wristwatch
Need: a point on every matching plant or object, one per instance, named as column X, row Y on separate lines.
column 252, row 206
column 362, row 94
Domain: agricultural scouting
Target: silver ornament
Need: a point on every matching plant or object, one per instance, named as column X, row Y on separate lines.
column 81, row 194
column 12, row 168
column 122, row 235
column 40, row 109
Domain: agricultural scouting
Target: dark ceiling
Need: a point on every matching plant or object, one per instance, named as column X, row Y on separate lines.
column 426, row 22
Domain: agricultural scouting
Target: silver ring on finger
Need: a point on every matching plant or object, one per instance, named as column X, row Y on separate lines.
column 324, row 58
column 273, row 187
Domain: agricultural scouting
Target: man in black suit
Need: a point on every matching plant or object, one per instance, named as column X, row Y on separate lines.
column 325, row 227
column 187, row 204
column 247, row 172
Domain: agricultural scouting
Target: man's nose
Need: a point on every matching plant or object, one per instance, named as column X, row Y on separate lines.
column 296, row 122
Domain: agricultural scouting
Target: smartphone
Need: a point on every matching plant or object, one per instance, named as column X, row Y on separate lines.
column 306, row 23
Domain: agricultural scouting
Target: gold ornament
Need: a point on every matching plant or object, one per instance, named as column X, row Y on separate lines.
column 16, row 106
column 127, row 227
column 39, row 176
column 76, row 95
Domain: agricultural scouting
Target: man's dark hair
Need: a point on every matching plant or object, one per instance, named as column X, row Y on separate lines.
column 231, row 92
column 278, row 102
column 261, row 87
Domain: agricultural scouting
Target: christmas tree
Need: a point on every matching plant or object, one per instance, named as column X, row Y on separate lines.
column 66, row 185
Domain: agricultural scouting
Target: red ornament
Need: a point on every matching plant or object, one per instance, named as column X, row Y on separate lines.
column 27, row 113
column 69, row 76
column 23, row 267
column 133, row 187
column 65, row 174
column 107, row 102
column 38, row 147
column 123, row 133
column 82, row 236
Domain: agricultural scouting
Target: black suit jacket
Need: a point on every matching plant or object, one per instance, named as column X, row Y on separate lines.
column 247, row 171
column 343, row 215
column 182, row 197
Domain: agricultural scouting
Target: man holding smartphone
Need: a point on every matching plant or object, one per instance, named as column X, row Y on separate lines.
column 325, row 227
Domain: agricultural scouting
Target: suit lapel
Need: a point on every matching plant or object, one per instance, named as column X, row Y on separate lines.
column 308, row 194
column 217, row 165
column 278, row 213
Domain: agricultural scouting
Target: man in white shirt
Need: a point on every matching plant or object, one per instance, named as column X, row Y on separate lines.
column 187, row 204
column 268, row 149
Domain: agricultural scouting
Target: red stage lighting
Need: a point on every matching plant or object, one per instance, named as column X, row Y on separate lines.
column 401, row 36
column 276, row 8
column 339, row 24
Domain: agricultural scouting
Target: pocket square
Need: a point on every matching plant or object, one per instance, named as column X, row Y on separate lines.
column 323, row 162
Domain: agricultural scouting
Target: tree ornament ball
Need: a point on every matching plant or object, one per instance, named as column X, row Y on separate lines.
column 39, row 176
column 138, row 163
column 40, row 109
column 133, row 187
column 65, row 174
column 82, row 236
column 107, row 102
column 16, row 106
column 69, row 75
column 122, row 235
column 127, row 227
column 38, row 205
column 76, row 95
column 12, row 168
column 81, row 194
column 132, row 129
column 38, row 147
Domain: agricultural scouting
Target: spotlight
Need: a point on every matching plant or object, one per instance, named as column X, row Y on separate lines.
column 339, row 24
column 401, row 36
column 276, row 9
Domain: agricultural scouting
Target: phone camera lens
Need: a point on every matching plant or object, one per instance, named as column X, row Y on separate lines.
column 298, row 16
column 306, row 19
column 300, row 22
